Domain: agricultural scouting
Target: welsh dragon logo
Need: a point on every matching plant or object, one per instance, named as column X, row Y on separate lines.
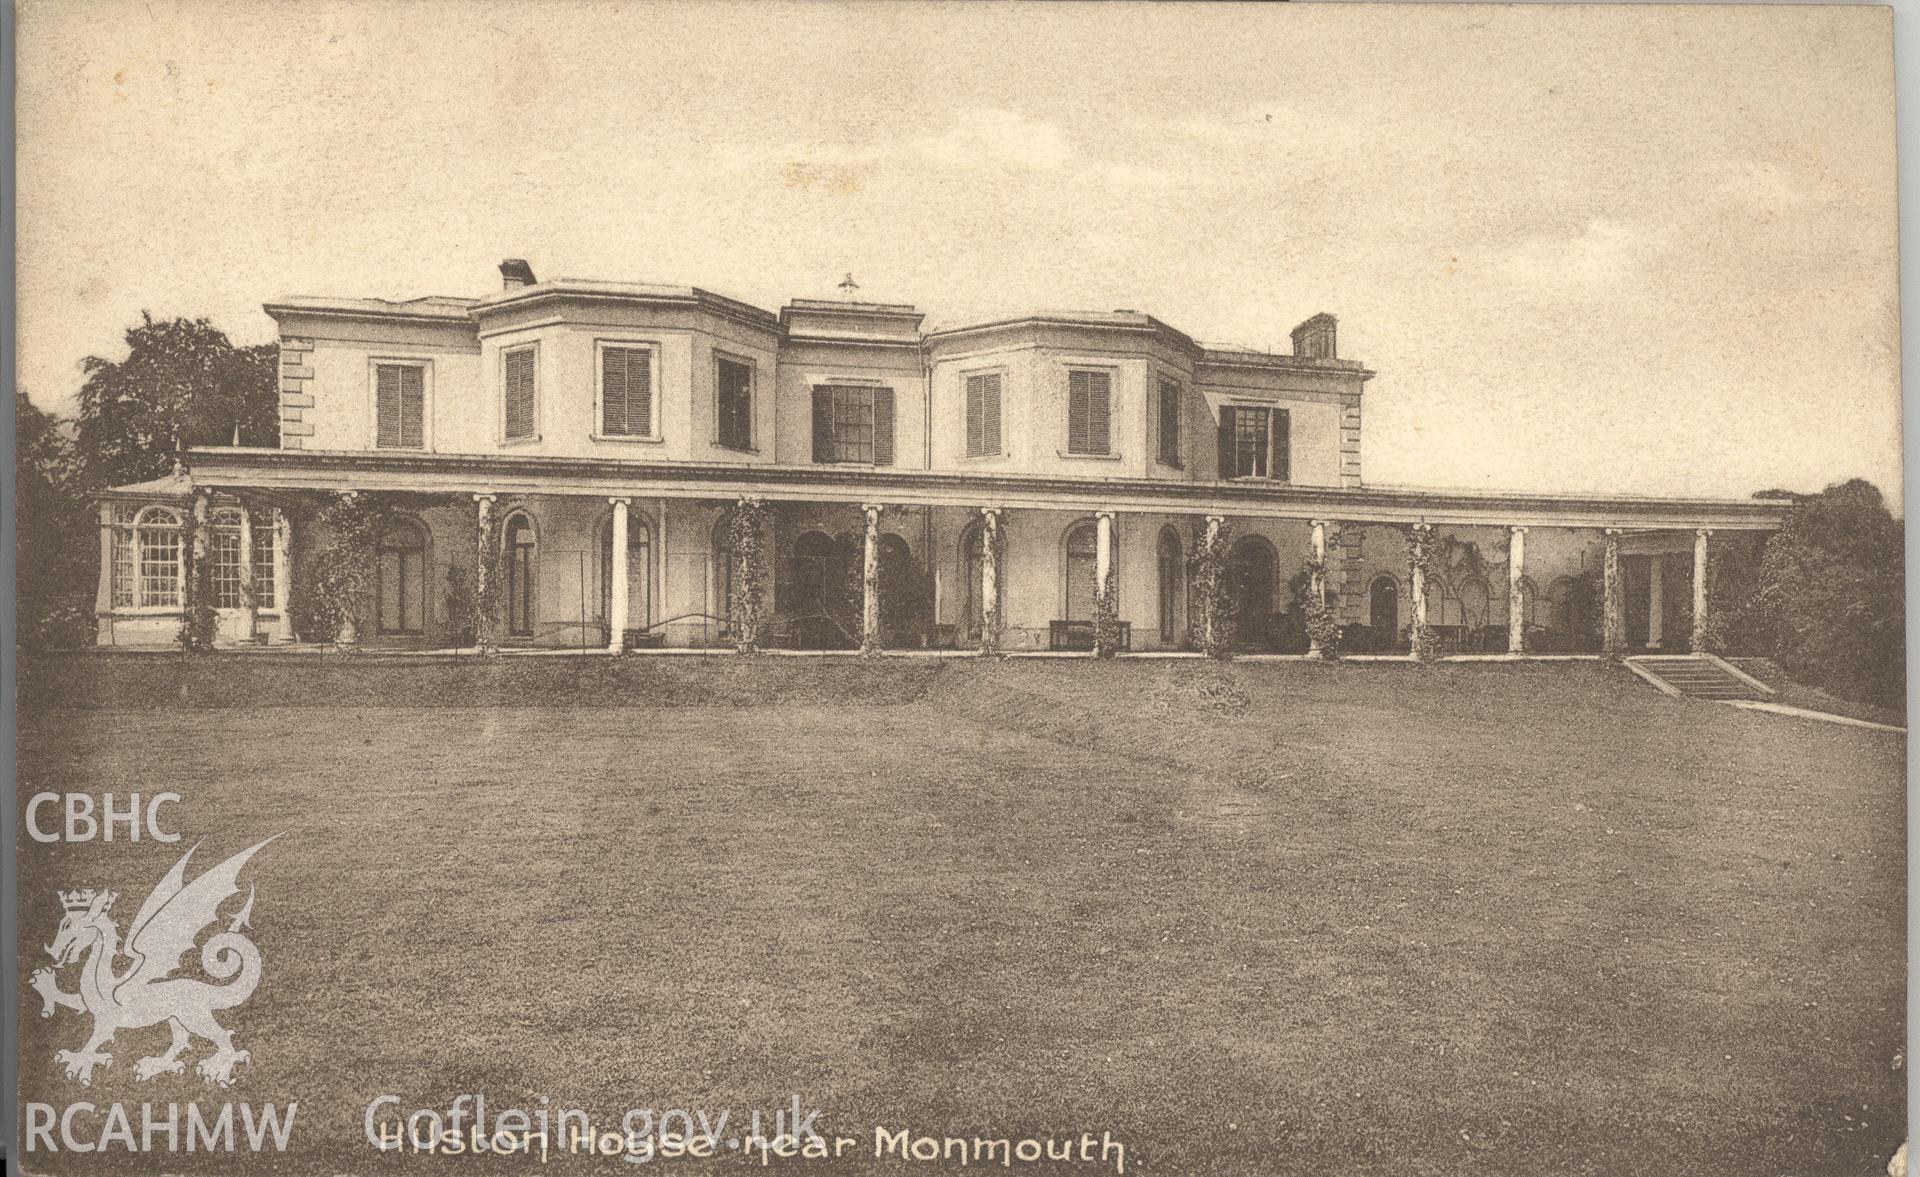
column 146, row 992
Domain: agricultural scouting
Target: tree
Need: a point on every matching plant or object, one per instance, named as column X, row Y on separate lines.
column 56, row 538
column 183, row 383
column 1830, row 603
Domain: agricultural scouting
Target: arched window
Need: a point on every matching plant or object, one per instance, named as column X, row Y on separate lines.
column 639, row 571
column 400, row 573
column 522, row 548
column 223, row 557
column 157, row 564
column 1530, row 594
column 1383, row 611
column 1173, row 567
column 1082, row 574
column 1251, row 579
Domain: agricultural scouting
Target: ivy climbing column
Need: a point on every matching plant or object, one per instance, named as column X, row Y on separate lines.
column 483, row 621
column 248, row 598
column 283, row 570
column 870, row 581
column 1317, row 574
column 1613, row 631
column 1210, row 582
column 1701, row 629
column 1419, row 550
column 199, row 610
column 1516, row 590
column 989, row 580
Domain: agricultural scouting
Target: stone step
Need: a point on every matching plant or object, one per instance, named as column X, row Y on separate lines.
column 1699, row 678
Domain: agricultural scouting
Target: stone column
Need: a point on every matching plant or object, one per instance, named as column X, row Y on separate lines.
column 1700, row 629
column 194, row 567
column 1656, row 602
column 247, row 598
column 870, row 581
column 989, row 580
column 1613, row 624
column 483, row 617
column 617, row 581
column 283, row 571
column 1516, row 590
column 1416, row 632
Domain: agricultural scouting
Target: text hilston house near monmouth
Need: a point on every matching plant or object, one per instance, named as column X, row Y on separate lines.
column 575, row 453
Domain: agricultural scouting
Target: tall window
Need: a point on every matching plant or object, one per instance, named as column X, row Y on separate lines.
column 1082, row 570
column 1255, row 442
column 400, row 573
column 400, row 393
column 156, row 567
column 626, row 392
column 520, row 566
column 853, row 423
column 223, row 551
column 1169, row 423
column 733, row 383
column 1172, row 571
column 983, row 414
column 1089, row 412
column 519, row 382
column 263, row 585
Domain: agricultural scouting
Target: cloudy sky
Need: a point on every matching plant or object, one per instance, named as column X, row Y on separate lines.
column 1647, row 250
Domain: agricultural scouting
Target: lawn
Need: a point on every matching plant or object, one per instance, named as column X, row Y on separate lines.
column 1250, row 919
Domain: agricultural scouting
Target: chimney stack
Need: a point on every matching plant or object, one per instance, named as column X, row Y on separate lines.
column 1314, row 339
column 515, row 272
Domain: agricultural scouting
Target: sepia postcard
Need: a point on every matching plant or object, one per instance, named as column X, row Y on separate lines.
column 884, row 588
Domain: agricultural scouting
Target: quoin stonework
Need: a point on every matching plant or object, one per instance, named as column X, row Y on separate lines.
column 565, row 464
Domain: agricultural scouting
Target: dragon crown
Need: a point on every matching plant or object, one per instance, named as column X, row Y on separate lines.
column 82, row 899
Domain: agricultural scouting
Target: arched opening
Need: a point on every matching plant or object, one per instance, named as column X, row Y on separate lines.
column 400, row 579
column 816, row 590
column 973, row 563
column 903, row 593
column 639, row 585
column 1251, row 581
column 1082, row 570
column 1172, row 562
column 522, row 550
column 1383, row 612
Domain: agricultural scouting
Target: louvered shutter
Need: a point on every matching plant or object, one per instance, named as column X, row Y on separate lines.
column 976, row 415
column 1226, row 442
column 991, row 422
column 1169, row 423
column 1078, row 397
column 823, row 424
column 639, row 392
column 412, row 407
column 883, row 426
column 1099, row 404
column 1281, row 460
column 387, row 407
column 613, row 392
column 519, row 394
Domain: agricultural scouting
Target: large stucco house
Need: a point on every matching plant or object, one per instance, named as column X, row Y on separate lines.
column 920, row 488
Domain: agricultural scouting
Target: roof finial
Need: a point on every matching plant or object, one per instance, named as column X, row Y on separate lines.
column 849, row 285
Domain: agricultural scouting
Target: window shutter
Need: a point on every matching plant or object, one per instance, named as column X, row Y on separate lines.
column 1281, row 460
column 639, row 392
column 992, row 422
column 883, row 426
column 823, row 424
column 1226, row 442
column 412, row 406
column 1079, row 396
column 519, row 394
column 387, row 377
column 1099, row 433
column 1169, row 423
column 613, row 392
column 976, row 415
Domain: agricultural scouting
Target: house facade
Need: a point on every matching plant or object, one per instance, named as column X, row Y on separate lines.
column 561, row 464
